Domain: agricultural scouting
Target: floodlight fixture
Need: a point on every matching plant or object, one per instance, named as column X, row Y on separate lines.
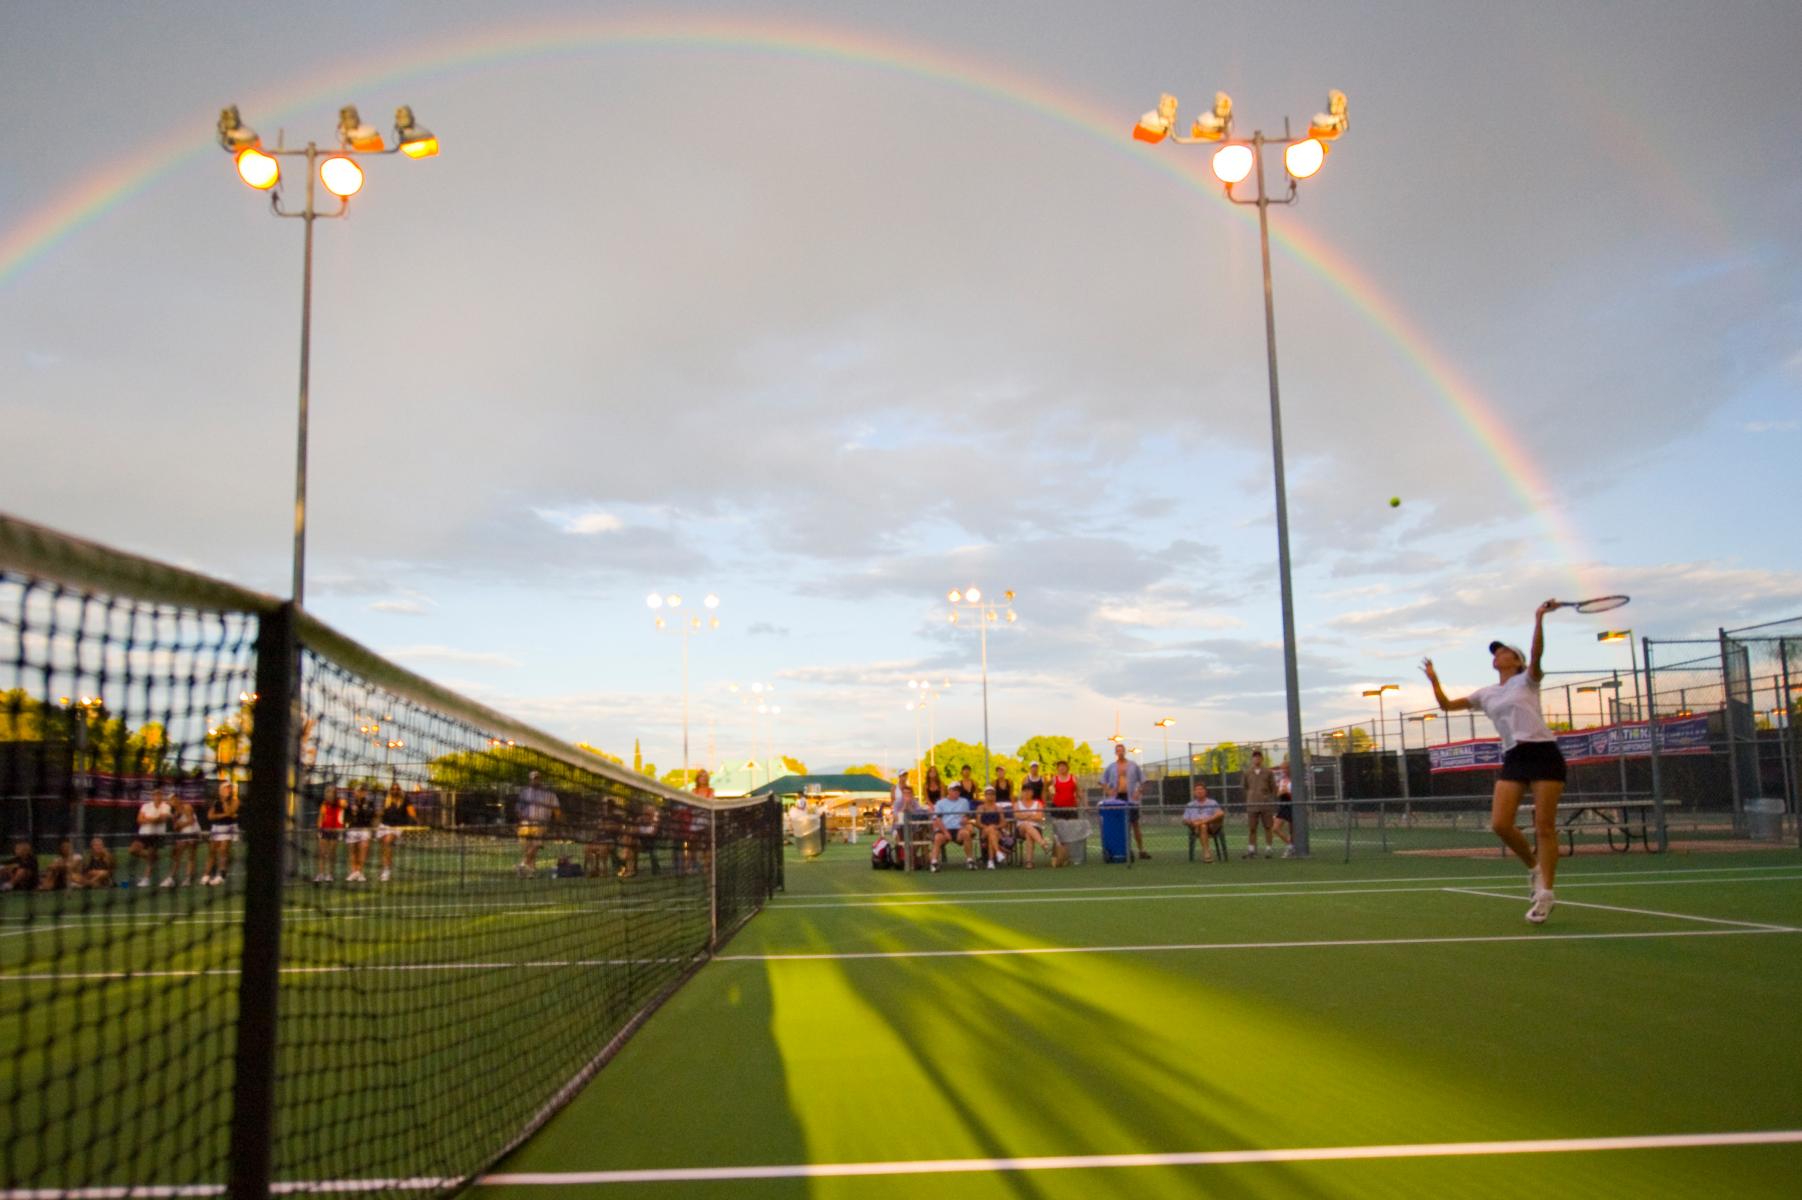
column 416, row 141
column 1232, row 163
column 354, row 135
column 257, row 169
column 342, row 177
column 1302, row 159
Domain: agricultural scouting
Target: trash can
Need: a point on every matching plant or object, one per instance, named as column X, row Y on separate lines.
column 1764, row 819
column 1072, row 834
column 810, row 835
column 1114, row 832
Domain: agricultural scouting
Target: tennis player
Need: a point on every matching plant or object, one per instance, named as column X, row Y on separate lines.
column 398, row 815
column 1530, row 756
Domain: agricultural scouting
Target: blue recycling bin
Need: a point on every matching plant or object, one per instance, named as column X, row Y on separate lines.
column 1114, row 832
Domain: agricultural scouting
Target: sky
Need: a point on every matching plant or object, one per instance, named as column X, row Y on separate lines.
column 827, row 309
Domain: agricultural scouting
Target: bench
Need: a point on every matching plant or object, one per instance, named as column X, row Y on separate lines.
column 1625, row 818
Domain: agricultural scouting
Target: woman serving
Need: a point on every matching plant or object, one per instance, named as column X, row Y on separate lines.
column 1530, row 757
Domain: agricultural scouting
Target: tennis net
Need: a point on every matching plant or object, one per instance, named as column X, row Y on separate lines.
column 286, row 915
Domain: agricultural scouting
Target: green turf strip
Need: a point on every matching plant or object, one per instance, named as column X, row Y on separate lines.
column 1179, row 1050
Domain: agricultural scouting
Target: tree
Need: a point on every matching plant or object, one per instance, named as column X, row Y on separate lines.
column 794, row 765
column 678, row 778
column 867, row 769
column 1359, row 741
column 953, row 756
column 615, row 759
column 1048, row 750
column 1221, row 759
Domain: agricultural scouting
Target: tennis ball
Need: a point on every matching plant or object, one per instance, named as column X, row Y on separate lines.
column 1395, row 502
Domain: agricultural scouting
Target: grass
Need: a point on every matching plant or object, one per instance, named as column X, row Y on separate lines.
column 1401, row 1009
column 1167, row 1009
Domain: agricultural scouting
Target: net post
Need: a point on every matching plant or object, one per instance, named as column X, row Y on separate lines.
column 713, row 880
column 1652, row 733
column 252, row 1155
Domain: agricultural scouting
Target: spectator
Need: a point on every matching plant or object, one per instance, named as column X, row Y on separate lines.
column 949, row 824
column 935, row 787
column 63, row 871
column 222, row 831
column 703, row 784
column 359, row 830
column 967, row 781
column 20, row 872
column 1124, row 779
column 1205, row 817
column 1034, row 781
column 398, row 816
column 642, row 834
column 1260, row 805
column 153, row 827
column 331, row 832
column 1285, row 810
column 97, row 871
column 1064, row 807
column 185, row 836
column 1004, row 788
column 535, row 811
column 1029, row 818
column 988, row 825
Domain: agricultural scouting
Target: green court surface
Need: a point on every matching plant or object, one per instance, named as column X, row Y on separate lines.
column 1387, row 1027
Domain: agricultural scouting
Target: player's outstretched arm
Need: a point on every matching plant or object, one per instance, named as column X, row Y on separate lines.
column 1534, row 671
column 1444, row 701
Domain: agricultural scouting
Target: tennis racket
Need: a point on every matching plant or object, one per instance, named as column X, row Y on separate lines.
column 1596, row 605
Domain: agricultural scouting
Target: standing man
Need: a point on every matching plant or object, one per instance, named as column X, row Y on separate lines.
column 535, row 810
column 1124, row 780
column 1260, row 805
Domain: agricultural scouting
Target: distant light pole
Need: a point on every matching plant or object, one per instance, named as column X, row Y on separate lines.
column 343, row 178
column 970, row 601
column 1423, row 718
column 685, row 629
column 926, row 699
column 1626, row 635
column 1382, row 737
column 1164, row 724
column 759, row 697
column 1612, row 685
column 1237, row 158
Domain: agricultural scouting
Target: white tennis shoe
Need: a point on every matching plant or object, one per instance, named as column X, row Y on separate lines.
column 1543, row 903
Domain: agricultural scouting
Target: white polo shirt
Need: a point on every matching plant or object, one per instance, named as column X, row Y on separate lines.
column 1513, row 707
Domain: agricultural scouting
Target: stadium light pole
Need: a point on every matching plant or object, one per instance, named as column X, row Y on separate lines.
column 926, row 698
column 758, row 696
column 1382, row 737
column 337, row 170
column 970, row 600
column 1235, row 159
column 1626, row 635
column 666, row 621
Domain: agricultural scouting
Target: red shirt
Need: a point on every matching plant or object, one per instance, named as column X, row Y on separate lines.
column 331, row 815
column 1063, row 793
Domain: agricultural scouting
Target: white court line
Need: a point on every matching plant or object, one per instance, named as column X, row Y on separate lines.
column 953, row 1166
column 1200, row 1158
column 1184, row 947
column 780, row 903
column 1297, row 888
column 1763, row 926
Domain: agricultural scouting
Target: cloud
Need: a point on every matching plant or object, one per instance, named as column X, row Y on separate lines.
column 412, row 608
column 766, row 629
column 1771, row 426
column 451, row 654
column 581, row 523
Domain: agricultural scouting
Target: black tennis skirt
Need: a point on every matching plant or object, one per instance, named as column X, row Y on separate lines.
column 1532, row 762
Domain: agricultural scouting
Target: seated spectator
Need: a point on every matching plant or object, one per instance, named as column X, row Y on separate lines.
column 20, row 873
column 62, row 870
column 97, row 871
column 1206, row 818
column 950, row 824
column 988, row 825
column 1029, row 821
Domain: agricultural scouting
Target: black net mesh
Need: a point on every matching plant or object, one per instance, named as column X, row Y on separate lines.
column 471, row 916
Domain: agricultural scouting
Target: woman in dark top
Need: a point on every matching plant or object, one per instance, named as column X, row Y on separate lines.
column 398, row 814
column 935, row 787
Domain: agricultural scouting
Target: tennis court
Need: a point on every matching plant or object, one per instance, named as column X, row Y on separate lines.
column 1387, row 1027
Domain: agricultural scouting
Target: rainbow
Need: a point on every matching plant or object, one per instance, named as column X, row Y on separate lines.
column 32, row 238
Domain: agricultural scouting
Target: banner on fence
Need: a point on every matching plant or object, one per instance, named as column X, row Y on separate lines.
column 1676, row 735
